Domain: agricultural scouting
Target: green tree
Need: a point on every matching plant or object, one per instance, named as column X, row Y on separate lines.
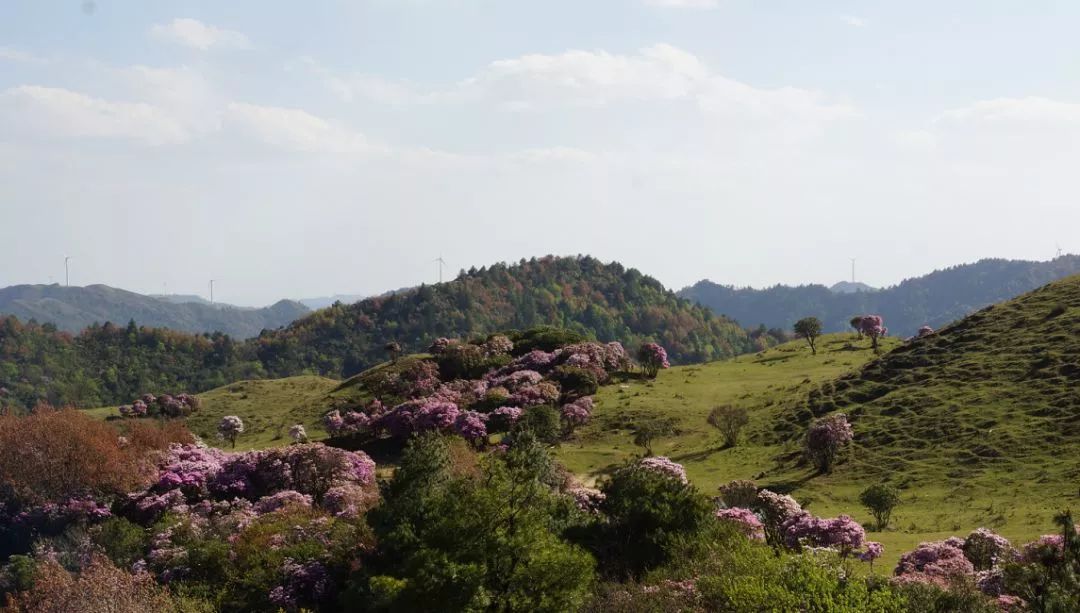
column 810, row 329
column 729, row 420
column 880, row 500
column 474, row 540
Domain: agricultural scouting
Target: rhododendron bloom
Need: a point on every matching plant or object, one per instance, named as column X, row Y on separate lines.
column 935, row 562
column 825, row 438
column 653, row 358
column 664, row 466
column 471, row 426
column 298, row 434
column 745, row 519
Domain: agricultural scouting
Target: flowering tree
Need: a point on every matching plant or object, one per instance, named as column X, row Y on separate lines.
column 809, row 328
column 230, row 427
column 936, row 562
column 653, row 358
column 298, row 434
column 925, row 331
column 873, row 551
column 841, row 533
column 472, row 426
column 874, row 327
column 664, row 466
column 776, row 510
column 825, row 439
column 576, row 413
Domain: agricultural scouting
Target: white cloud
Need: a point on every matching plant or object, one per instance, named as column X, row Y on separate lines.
column 1031, row 109
column 684, row 4
column 58, row 112
column 16, row 55
column 292, row 130
column 198, row 35
column 853, row 21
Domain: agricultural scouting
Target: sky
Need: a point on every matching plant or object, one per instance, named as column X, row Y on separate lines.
column 300, row 149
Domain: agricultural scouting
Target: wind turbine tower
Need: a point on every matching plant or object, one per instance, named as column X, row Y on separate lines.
column 211, row 291
column 67, row 275
column 441, row 263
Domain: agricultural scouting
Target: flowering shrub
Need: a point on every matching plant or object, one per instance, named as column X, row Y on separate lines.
column 586, row 498
column 149, row 405
column 498, row 345
column 544, row 392
column 925, row 331
column 739, row 493
column 230, row 427
column 873, row 326
column 825, row 438
column 664, row 466
column 873, row 551
column 935, row 562
column 503, row 419
column 745, row 520
column 472, row 426
column 298, row 434
column 841, row 533
column 576, row 413
column 775, row 511
column 653, row 358
column 985, row 549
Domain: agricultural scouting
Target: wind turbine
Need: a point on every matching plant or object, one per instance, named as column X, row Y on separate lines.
column 1058, row 249
column 441, row 263
column 67, row 275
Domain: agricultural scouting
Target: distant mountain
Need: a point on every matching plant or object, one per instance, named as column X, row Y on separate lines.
column 182, row 298
column 324, row 301
column 935, row 299
column 851, row 287
column 75, row 308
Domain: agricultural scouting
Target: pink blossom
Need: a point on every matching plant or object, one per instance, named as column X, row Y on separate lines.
column 745, row 520
column 664, row 466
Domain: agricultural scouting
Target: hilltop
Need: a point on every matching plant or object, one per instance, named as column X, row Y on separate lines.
column 605, row 302
column 73, row 309
column 935, row 299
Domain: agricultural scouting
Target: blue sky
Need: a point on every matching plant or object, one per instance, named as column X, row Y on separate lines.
column 299, row 149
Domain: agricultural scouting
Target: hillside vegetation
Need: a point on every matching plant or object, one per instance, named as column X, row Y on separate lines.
column 74, row 308
column 605, row 302
column 936, row 299
column 110, row 364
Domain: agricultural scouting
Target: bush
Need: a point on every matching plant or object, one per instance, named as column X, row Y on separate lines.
column 880, row 500
column 542, row 421
column 51, row 455
column 729, row 420
column 740, row 493
column 544, row 338
column 99, row 587
column 575, row 382
column 646, row 511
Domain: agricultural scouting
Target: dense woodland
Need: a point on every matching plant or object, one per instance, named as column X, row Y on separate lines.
column 108, row 364
column 935, row 299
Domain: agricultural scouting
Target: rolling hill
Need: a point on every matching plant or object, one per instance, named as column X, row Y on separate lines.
column 106, row 364
column 74, row 308
column 935, row 299
column 606, row 302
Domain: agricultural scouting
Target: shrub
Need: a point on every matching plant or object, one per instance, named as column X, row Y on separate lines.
column 729, row 420
column 880, row 500
column 229, row 428
column 739, row 493
column 575, row 382
column 825, row 439
column 653, row 358
column 100, row 586
column 541, row 421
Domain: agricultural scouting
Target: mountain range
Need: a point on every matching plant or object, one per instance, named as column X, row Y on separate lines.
column 75, row 308
column 936, row 299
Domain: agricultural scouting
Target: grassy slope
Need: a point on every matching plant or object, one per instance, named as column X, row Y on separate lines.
column 980, row 424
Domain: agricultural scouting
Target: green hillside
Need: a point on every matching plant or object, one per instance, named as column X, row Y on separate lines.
column 605, row 302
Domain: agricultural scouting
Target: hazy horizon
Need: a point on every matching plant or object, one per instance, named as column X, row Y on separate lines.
column 340, row 147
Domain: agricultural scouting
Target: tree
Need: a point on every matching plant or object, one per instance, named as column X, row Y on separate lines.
column 856, row 323
column 393, row 349
column 874, row 327
column 880, row 500
column 729, row 420
column 647, row 511
column 646, row 433
column 230, row 428
column 653, row 358
column 809, row 328
column 825, row 439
